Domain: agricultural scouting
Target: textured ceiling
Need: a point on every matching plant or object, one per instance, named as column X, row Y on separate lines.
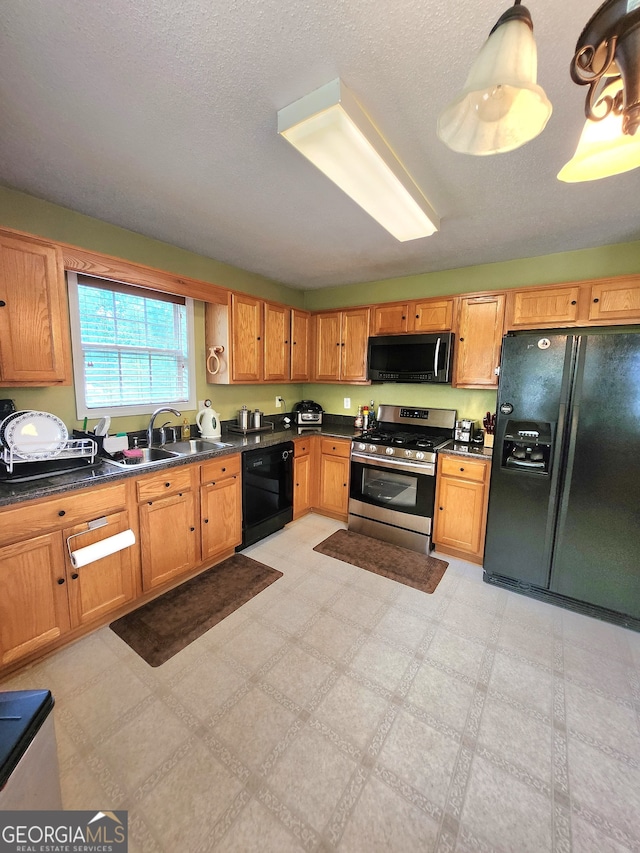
column 160, row 116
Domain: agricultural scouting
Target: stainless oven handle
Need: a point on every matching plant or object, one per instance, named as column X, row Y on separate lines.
column 435, row 360
column 426, row 468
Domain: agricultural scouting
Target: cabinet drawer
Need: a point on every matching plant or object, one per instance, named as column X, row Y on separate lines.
column 464, row 469
column 302, row 447
column 220, row 469
column 27, row 521
column 168, row 482
column 335, row 447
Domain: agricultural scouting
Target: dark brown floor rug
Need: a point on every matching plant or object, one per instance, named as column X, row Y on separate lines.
column 163, row 627
column 391, row 561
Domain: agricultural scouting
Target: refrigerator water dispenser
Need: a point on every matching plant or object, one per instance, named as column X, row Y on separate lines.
column 527, row 446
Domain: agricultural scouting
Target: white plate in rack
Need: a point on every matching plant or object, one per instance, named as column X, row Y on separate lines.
column 33, row 436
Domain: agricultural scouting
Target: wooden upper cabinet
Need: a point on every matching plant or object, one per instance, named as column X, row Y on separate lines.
column 534, row 309
column 355, row 337
column 478, row 341
column 35, row 344
column 328, row 331
column 300, row 345
column 423, row 315
column 431, row 315
column 255, row 337
column 341, row 339
column 615, row 300
column 391, row 319
column 277, row 327
column 247, row 351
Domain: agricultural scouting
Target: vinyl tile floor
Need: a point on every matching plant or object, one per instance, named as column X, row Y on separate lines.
column 342, row 711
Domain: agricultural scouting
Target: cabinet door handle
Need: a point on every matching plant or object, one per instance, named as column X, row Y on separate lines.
column 75, row 576
column 596, row 300
column 462, row 339
column 258, row 338
column 440, row 508
column 223, row 470
column 62, row 512
column 192, row 529
column 574, row 302
column 2, row 304
column 166, row 485
column 60, row 581
column 206, row 521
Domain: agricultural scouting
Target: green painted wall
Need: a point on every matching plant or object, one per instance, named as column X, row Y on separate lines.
column 26, row 213
column 226, row 400
column 469, row 403
column 620, row 259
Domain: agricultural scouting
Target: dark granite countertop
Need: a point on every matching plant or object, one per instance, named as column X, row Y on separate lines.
column 456, row 448
column 12, row 492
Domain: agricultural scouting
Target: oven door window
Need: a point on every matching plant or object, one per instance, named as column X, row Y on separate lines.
column 399, row 490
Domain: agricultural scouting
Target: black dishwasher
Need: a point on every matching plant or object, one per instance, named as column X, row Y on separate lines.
column 267, row 491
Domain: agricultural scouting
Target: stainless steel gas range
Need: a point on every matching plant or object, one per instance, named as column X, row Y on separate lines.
column 393, row 468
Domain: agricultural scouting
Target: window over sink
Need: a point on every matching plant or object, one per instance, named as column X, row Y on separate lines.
column 133, row 348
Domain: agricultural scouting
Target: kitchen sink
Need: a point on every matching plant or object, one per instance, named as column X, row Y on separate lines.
column 150, row 456
column 196, row 445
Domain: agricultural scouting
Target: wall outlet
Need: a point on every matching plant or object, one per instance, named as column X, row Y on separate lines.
column 347, row 402
column 278, row 402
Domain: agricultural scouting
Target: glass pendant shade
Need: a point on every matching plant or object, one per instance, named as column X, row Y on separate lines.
column 501, row 106
column 603, row 149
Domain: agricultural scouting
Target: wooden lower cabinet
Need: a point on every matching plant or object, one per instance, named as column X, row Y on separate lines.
column 302, row 476
column 333, row 499
column 100, row 588
column 220, row 506
column 34, row 608
column 462, row 492
column 168, row 538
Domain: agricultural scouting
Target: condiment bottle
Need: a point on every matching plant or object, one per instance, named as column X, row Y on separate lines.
column 358, row 421
column 365, row 417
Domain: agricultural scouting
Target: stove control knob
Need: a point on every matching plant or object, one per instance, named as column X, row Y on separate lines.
column 372, row 448
column 419, row 455
column 361, row 446
column 408, row 453
column 390, row 451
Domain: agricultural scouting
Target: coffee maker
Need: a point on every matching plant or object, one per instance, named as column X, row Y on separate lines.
column 464, row 431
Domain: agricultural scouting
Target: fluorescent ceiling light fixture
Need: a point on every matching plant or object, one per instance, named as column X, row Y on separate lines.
column 331, row 129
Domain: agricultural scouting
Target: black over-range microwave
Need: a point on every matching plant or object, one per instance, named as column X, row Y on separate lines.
column 410, row 358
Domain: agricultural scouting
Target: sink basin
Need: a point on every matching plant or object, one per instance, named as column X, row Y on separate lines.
column 196, row 445
column 150, row 456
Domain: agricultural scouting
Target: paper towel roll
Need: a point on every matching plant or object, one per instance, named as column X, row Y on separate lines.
column 91, row 553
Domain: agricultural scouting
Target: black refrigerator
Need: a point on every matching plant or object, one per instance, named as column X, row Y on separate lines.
column 564, row 501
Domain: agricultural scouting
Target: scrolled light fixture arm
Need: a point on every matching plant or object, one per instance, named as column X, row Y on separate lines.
column 609, row 49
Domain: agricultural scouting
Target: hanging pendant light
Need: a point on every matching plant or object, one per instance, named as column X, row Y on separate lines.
column 604, row 149
column 607, row 60
column 501, row 106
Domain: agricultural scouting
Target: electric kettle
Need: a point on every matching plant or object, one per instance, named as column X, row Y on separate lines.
column 208, row 421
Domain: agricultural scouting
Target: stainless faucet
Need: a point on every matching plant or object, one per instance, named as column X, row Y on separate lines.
column 152, row 419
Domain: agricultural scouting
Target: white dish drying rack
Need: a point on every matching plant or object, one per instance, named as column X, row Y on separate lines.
column 75, row 448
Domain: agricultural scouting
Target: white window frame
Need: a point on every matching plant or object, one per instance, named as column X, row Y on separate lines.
column 82, row 410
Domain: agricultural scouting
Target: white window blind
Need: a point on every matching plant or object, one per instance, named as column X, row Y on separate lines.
column 131, row 347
